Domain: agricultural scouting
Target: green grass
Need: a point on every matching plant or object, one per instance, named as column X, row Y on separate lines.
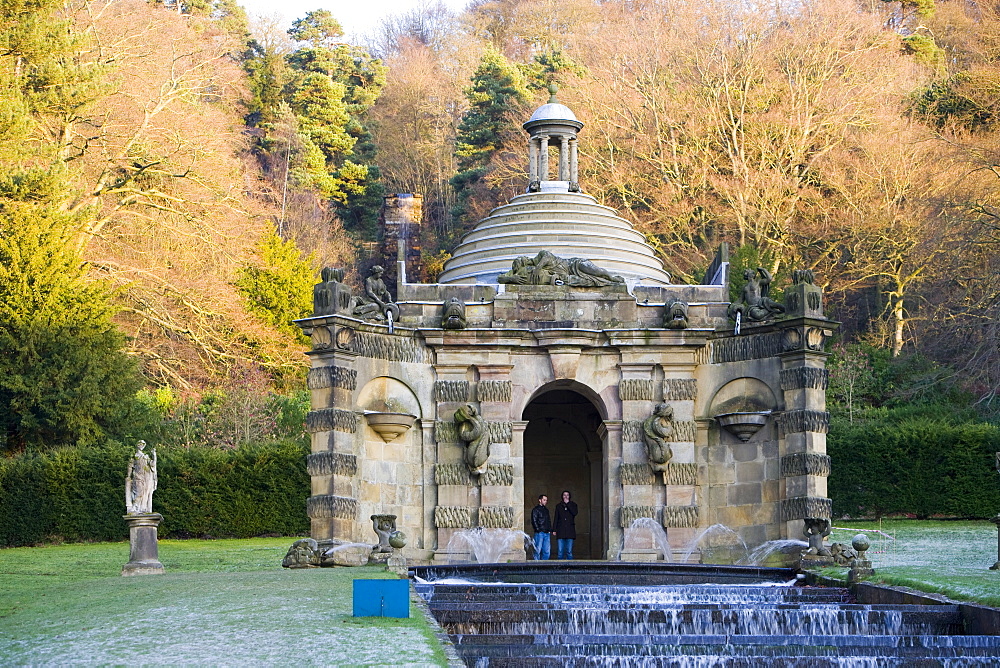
column 935, row 556
column 223, row 601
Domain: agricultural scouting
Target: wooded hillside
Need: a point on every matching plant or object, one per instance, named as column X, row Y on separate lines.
column 174, row 176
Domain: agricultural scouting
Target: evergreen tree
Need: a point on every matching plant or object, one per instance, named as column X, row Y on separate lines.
column 279, row 288
column 497, row 89
column 328, row 85
column 64, row 377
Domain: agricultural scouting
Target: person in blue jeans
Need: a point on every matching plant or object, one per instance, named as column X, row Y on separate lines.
column 542, row 525
column 565, row 525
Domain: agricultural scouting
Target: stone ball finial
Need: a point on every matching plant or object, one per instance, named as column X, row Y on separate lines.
column 397, row 539
column 860, row 543
column 553, row 89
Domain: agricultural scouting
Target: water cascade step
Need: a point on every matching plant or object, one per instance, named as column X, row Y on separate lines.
column 732, row 625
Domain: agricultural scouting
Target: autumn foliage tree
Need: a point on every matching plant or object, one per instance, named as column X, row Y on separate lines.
column 64, row 375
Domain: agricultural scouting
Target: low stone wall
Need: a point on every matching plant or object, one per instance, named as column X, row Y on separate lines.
column 977, row 619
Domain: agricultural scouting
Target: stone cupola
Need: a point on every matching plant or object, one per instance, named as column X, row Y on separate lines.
column 553, row 215
column 553, row 124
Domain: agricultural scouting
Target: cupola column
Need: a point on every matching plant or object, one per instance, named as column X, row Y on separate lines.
column 532, row 160
column 564, row 158
column 574, row 169
column 543, row 162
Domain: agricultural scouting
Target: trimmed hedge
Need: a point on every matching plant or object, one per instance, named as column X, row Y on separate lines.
column 912, row 464
column 78, row 493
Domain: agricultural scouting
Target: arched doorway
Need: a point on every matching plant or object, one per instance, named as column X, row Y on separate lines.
column 562, row 451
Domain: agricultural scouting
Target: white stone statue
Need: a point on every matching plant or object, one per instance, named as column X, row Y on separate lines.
column 140, row 482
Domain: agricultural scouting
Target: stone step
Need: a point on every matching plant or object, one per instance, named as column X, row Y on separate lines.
column 644, row 651
column 685, row 592
column 731, row 625
column 660, row 622
column 724, row 661
column 477, row 610
column 960, row 644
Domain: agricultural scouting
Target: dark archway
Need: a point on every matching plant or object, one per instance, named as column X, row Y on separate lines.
column 562, row 450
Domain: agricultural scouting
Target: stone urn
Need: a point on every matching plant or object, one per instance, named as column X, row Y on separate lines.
column 390, row 425
column 743, row 425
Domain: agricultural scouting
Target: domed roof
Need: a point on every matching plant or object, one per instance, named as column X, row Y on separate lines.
column 553, row 111
column 553, row 216
column 564, row 223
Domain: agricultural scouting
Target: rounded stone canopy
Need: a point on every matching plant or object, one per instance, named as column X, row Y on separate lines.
column 553, row 112
column 568, row 224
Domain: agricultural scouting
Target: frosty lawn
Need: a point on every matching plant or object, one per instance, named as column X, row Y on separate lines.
column 228, row 601
column 225, row 601
column 938, row 556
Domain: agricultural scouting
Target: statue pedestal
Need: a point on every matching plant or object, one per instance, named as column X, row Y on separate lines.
column 861, row 568
column 397, row 563
column 815, row 561
column 144, row 558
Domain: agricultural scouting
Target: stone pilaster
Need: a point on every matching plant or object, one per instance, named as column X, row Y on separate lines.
column 610, row 433
column 641, row 496
column 456, row 503
column 500, row 503
column 681, row 515
column 428, row 534
column 804, row 465
column 333, row 427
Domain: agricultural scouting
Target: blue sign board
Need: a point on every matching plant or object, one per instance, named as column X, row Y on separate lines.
column 381, row 598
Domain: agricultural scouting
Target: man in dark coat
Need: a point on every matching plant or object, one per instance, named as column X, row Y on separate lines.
column 542, row 525
column 565, row 526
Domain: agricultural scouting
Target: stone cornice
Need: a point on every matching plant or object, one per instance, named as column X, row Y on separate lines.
column 650, row 339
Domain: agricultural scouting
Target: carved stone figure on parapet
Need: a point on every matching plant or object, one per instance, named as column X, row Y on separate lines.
column 657, row 430
column 376, row 301
column 385, row 526
column 549, row 269
column 804, row 297
column 474, row 431
column 453, row 314
column 331, row 295
column 756, row 304
column 816, row 529
column 140, row 482
column 803, row 276
column 676, row 315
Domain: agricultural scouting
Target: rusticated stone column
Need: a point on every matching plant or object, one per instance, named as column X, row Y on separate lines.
column 502, row 486
column 457, row 501
column 642, row 493
column 332, row 425
column 805, row 465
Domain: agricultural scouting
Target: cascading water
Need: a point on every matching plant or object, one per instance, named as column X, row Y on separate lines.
column 487, row 546
column 714, row 538
column 524, row 625
column 760, row 554
column 643, row 534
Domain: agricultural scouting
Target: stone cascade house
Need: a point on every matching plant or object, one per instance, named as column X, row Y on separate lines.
column 558, row 337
